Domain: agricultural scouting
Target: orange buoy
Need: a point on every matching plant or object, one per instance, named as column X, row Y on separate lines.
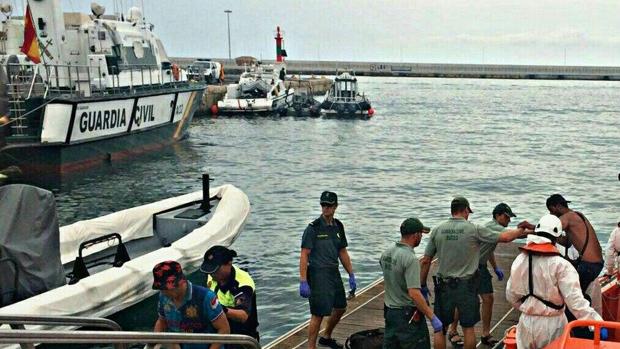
column 371, row 112
column 214, row 109
column 510, row 341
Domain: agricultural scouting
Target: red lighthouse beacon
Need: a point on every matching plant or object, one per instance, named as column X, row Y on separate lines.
column 280, row 52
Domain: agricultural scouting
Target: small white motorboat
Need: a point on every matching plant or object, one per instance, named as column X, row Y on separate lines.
column 100, row 266
column 260, row 90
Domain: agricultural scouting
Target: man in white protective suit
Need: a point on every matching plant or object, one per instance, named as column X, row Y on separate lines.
column 613, row 250
column 542, row 294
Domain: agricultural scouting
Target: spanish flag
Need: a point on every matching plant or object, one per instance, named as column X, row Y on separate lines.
column 30, row 47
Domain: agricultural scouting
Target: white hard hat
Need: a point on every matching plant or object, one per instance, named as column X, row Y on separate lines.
column 549, row 224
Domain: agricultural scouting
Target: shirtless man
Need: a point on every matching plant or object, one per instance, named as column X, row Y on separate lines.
column 581, row 234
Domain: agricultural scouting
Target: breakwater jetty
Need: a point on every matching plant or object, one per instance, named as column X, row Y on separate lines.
column 490, row 71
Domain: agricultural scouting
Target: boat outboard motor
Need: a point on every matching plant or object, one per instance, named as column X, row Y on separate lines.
column 29, row 243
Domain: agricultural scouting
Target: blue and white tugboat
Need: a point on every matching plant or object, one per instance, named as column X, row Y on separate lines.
column 86, row 89
column 344, row 101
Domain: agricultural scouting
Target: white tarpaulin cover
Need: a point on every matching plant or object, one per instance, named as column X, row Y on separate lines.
column 115, row 289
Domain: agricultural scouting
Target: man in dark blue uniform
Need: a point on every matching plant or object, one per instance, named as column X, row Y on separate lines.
column 323, row 244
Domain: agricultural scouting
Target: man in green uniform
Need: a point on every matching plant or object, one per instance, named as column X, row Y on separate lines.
column 456, row 242
column 234, row 288
column 404, row 304
column 322, row 245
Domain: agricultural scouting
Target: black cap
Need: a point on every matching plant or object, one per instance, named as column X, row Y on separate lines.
column 215, row 257
column 556, row 199
column 460, row 203
column 329, row 197
column 503, row 208
column 412, row 226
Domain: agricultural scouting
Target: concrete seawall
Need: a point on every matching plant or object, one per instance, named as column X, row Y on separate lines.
column 493, row 71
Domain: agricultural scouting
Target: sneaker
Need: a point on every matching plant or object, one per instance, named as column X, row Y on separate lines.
column 329, row 343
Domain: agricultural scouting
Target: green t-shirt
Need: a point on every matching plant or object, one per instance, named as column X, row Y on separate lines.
column 487, row 248
column 401, row 270
column 456, row 242
column 324, row 242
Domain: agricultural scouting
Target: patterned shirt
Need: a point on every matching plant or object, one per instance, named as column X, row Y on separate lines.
column 199, row 309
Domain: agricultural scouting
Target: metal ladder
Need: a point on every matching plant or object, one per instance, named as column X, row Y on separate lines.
column 28, row 338
column 17, row 109
column 20, row 88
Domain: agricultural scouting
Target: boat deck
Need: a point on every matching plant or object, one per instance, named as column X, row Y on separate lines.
column 365, row 311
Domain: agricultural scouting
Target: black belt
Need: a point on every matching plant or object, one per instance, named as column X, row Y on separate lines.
column 463, row 278
column 453, row 282
column 405, row 308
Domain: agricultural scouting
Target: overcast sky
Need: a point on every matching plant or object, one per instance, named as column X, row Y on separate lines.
column 443, row 31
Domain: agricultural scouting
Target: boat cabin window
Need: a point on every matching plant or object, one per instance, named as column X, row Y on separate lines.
column 346, row 88
column 138, row 55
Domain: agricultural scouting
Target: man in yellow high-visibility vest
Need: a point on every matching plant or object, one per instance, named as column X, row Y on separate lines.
column 234, row 288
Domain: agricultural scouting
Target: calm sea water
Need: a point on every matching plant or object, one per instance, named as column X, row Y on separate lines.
column 431, row 139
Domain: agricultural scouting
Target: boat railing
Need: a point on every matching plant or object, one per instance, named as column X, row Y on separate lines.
column 25, row 337
column 87, row 80
column 17, row 322
column 49, row 82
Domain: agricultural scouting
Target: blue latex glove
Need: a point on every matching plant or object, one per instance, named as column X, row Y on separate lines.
column 499, row 273
column 604, row 334
column 304, row 289
column 352, row 283
column 425, row 292
column 436, row 323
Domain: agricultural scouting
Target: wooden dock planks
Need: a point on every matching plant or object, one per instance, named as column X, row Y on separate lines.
column 365, row 311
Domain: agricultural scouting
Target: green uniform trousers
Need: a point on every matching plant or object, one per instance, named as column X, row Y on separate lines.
column 486, row 285
column 326, row 291
column 461, row 294
column 401, row 333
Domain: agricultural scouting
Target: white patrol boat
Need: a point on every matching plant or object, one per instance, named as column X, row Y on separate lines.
column 86, row 89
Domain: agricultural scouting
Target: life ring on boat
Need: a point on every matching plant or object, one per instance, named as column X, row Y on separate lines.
column 175, row 72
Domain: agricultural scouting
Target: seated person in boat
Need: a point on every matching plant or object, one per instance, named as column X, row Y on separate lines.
column 234, row 288
column 613, row 250
column 553, row 285
column 185, row 307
